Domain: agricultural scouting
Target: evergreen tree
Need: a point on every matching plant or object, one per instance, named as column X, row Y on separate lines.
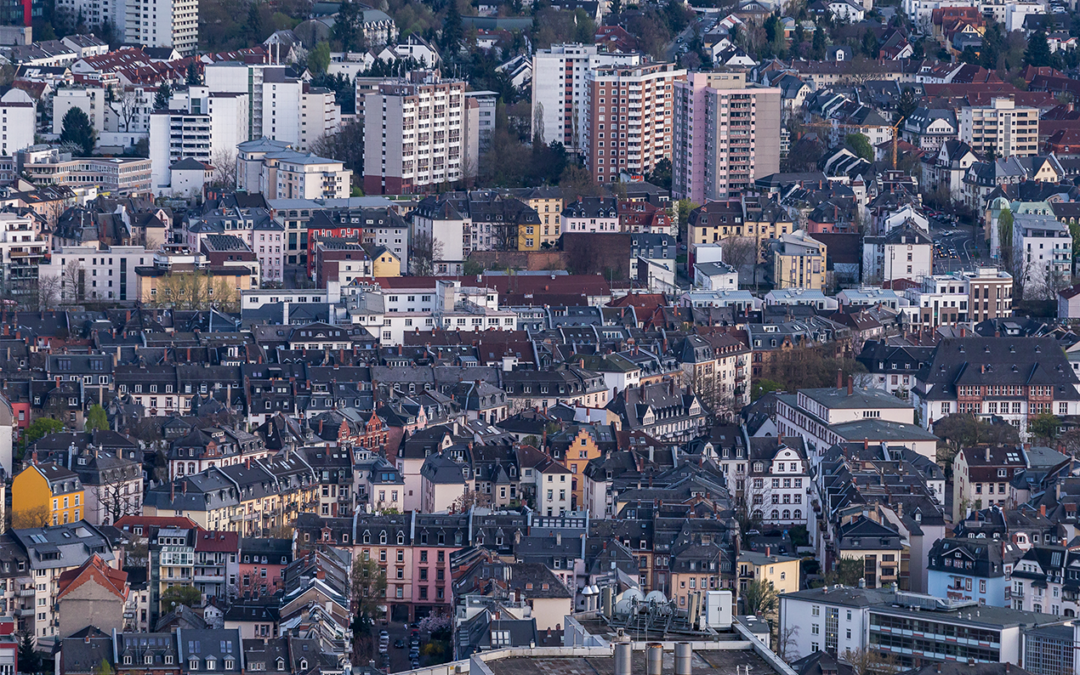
column 161, row 99
column 1038, row 51
column 870, row 44
column 78, row 131
column 193, row 74
column 347, row 26
column 254, row 23
column 818, row 47
column 452, row 31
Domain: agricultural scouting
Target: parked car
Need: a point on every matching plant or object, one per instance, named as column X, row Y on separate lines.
column 399, row 644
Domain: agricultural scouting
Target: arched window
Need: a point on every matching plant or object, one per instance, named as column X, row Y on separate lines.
column 787, row 515
column 401, row 539
column 798, row 514
column 382, row 537
column 775, row 514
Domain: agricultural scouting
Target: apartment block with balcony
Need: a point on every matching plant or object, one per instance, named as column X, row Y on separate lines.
column 200, row 124
column 1002, row 128
column 168, row 23
column 726, row 135
column 629, row 125
column 1045, row 247
column 416, row 136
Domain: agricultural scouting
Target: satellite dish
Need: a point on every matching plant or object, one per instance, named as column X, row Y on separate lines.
column 656, row 598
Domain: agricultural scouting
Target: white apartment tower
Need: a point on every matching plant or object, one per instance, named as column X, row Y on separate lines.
column 282, row 108
column 160, row 23
column 19, row 116
column 726, row 135
column 417, row 135
column 628, row 125
column 199, row 124
column 559, row 90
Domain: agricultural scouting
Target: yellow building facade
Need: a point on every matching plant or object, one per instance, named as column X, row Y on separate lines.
column 46, row 494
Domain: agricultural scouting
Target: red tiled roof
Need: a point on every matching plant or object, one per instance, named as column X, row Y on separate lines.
column 93, row 570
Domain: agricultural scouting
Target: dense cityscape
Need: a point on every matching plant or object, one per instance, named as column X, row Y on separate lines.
column 560, row 337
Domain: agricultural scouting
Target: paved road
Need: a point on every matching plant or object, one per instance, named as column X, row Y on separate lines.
column 954, row 240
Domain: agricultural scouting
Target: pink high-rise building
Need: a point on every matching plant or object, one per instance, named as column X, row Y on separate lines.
column 726, row 135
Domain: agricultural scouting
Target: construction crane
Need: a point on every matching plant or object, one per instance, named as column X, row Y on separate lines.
column 895, row 129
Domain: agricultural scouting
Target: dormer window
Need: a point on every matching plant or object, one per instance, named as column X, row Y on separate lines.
column 168, row 659
column 149, row 660
column 193, row 664
column 281, row 664
column 303, row 664
column 210, row 663
column 127, row 660
column 230, row 664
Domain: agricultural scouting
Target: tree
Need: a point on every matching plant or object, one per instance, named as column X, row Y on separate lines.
column 451, row 29
column 345, row 145
column 860, row 145
column 870, row 44
column 740, row 252
column 161, row 98
column 29, row 660
column 48, row 292
column 685, row 207
column 96, row 419
column 906, row 104
column 871, row 662
column 193, row 74
column 1005, row 236
column 348, row 27
column 189, row 596
column 127, row 107
column 661, row 174
column 762, row 387
column 77, row 130
column 760, row 598
column 73, row 282
column 846, row 572
column 319, row 58
column 36, row 516
column 1037, row 53
column 576, row 181
column 423, row 254
column 120, row 492
column 42, row 427
column 104, row 668
column 255, row 23
column 368, row 591
column 817, row 46
column 224, row 162
column 1045, row 426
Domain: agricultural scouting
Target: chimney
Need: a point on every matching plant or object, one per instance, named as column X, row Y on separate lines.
column 172, row 492
column 768, row 550
column 988, row 454
column 839, row 379
column 1042, row 510
column 850, row 385
column 184, row 484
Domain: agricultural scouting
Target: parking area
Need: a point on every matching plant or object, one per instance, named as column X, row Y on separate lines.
column 397, row 659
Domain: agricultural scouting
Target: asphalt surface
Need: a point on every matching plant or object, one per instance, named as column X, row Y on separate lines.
column 957, row 245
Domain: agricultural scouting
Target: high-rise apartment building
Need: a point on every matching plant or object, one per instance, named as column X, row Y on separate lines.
column 199, row 124
column 282, row 108
column 629, row 122
column 416, row 135
column 559, row 90
column 1002, row 128
column 162, row 23
column 726, row 135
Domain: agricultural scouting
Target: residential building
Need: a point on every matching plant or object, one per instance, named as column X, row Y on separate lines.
column 175, row 23
column 613, row 143
column 93, row 594
column 1001, row 129
column 280, row 108
column 200, row 124
column 781, row 572
column 971, row 570
column 726, row 134
column 590, row 214
column 1014, row 379
column 560, row 90
column 46, row 494
column 798, row 261
column 402, row 154
column 904, row 252
column 981, row 477
column 1045, row 246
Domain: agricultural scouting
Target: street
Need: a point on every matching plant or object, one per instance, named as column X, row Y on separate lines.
column 954, row 247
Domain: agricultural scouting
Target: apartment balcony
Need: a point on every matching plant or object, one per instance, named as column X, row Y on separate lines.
column 24, row 611
column 26, row 592
column 209, row 579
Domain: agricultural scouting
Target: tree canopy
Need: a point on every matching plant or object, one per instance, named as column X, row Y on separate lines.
column 77, row 130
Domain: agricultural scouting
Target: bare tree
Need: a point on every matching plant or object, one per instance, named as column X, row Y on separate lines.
column 126, row 106
column 470, row 499
column 787, row 646
column 48, row 291
column 423, row 254
column 120, row 493
column 871, row 662
column 73, row 285
column 224, row 162
column 35, row 516
column 742, row 254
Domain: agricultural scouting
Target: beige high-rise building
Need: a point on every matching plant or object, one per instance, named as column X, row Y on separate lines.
column 726, row 134
column 1003, row 128
column 629, row 125
column 418, row 135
